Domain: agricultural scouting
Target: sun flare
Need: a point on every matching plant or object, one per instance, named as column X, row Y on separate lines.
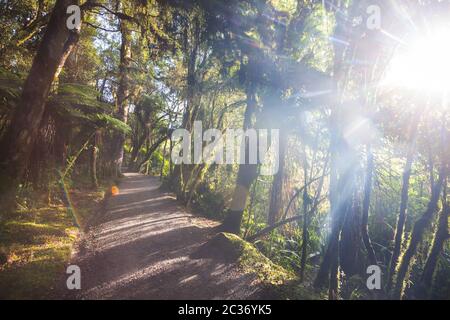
column 423, row 64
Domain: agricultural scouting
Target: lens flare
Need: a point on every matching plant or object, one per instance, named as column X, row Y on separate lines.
column 423, row 65
column 115, row 190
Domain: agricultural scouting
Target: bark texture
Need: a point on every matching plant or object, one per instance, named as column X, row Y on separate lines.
column 19, row 140
column 416, row 237
column 123, row 92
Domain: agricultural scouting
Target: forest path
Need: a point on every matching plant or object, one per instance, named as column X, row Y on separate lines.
column 140, row 249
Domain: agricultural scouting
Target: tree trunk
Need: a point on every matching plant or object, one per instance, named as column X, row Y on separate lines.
column 123, row 93
column 332, row 245
column 94, row 156
column 331, row 255
column 178, row 178
column 250, row 210
column 161, row 170
column 276, row 197
column 340, row 207
column 399, row 230
column 151, row 150
column 137, row 145
column 305, row 234
column 440, row 237
column 306, row 218
column 366, row 207
column 19, row 140
column 417, row 234
column 351, row 237
column 246, row 175
column 198, row 175
column 400, row 227
column 281, row 223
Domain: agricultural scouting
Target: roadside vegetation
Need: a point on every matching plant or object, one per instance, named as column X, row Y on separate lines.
column 37, row 241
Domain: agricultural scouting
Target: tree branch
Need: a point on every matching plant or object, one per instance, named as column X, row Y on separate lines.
column 98, row 27
column 269, row 229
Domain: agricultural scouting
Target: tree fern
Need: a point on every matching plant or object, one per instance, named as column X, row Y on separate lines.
column 79, row 105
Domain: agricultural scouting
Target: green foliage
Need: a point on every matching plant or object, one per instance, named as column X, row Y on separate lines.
column 441, row 285
column 278, row 282
column 10, row 89
column 210, row 203
column 38, row 244
column 37, row 241
column 109, row 122
column 251, row 260
column 79, row 104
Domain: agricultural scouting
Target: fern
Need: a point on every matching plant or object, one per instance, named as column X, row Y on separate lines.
column 79, row 104
column 106, row 121
column 75, row 103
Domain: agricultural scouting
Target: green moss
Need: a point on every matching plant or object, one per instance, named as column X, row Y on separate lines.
column 279, row 283
column 36, row 245
column 36, row 253
column 36, row 278
column 250, row 259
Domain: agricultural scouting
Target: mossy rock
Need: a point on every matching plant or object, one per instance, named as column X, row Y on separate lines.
column 230, row 248
column 277, row 282
column 223, row 247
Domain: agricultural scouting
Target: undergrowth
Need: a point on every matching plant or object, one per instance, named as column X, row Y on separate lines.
column 279, row 282
column 36, row 241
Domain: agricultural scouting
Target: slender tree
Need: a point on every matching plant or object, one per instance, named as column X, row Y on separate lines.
column 440, row 237
column 417, row 234
column 366, row 206
column 124, row 90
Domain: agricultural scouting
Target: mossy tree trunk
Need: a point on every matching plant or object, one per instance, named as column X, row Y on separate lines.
column 246, row 175
column 400, row 227
column 416, row 236
column 123, row 91
column 366, row 207
column 94, row 157
column 328, row 271
column 19, row 140
column 440, row 237
column 276, row 194
column 192, row 41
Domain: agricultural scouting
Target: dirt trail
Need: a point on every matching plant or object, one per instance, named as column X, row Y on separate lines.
column 140, row 249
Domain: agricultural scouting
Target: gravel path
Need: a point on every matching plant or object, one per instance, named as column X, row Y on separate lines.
column 140, row 249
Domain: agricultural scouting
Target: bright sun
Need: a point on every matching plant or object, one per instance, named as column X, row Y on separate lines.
column 423, row 64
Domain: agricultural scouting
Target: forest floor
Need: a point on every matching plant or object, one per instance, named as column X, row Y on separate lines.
column 36, row 242
column 142, row 247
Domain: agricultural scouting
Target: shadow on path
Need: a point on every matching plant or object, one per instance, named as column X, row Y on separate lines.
column 140, row 250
